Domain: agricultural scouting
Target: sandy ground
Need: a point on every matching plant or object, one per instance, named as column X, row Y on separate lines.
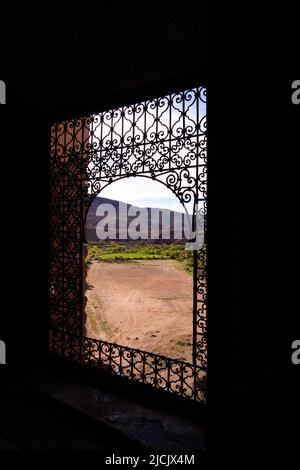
column 141, row 304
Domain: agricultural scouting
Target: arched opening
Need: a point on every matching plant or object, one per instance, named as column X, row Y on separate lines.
column 139, row 280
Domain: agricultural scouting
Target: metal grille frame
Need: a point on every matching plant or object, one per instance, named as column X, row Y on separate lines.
column 163, row 139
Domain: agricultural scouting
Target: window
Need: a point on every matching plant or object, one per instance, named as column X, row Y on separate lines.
column 163, row 139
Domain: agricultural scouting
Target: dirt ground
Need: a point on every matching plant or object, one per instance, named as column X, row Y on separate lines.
column 141, row 304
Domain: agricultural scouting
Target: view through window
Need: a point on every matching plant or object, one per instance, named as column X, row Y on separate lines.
column 140, row 272
column 128, row 242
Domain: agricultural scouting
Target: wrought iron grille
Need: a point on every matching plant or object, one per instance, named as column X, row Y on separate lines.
column 163, row 139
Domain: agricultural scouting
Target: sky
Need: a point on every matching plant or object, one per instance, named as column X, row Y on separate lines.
column 143, row 192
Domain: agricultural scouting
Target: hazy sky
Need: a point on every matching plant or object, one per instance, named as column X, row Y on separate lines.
column 143, row 192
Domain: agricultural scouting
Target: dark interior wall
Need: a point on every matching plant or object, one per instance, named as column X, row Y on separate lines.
column 74, row 52
column 78, row 59
column 253, row 252
column 60, row 60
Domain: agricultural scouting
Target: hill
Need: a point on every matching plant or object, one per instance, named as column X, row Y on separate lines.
column 161, row 225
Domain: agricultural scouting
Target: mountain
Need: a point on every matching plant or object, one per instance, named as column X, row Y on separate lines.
column 163, row 225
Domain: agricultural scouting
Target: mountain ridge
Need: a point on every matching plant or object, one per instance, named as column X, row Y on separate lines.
column 159, row 235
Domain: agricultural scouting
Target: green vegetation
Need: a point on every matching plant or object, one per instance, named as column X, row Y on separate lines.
column 183, row 343
column 101, row 323
column 113, row 251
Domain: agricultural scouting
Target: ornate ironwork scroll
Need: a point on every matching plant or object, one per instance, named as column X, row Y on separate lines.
column 163, row 139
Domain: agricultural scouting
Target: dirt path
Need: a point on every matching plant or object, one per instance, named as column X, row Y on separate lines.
column 141, row 304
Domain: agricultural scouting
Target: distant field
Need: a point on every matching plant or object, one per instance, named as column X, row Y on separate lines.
column 117, row 251
column 141, row 296
column 145, row 304
column 137, row 255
